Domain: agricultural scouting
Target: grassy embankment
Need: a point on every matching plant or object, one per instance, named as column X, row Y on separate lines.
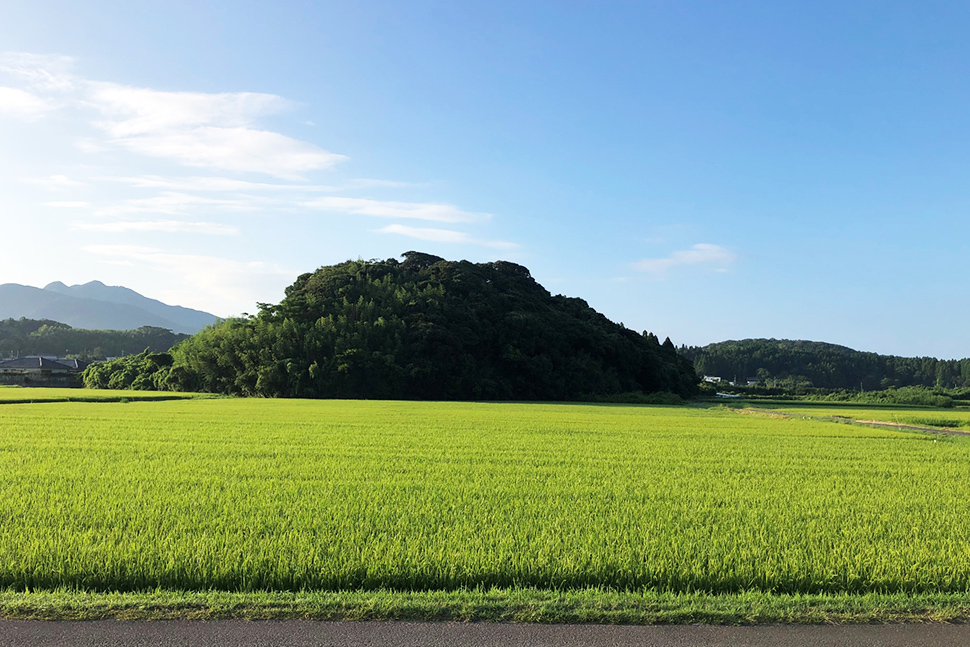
column 549, row 513
column 956, row 419
column 28, row 395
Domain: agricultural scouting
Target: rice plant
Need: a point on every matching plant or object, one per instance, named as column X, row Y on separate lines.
column 247, row 495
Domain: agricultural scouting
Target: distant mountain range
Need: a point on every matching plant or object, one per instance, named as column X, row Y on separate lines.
column 98, row 306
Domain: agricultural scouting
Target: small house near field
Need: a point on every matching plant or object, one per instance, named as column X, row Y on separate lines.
column 41, row 371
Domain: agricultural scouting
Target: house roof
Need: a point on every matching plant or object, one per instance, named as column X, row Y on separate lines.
column 73, row 363
column 42, row 363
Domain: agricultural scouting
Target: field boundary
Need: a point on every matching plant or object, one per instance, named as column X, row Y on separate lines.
column 592, row 606
column 119, row 399
column 853, row 421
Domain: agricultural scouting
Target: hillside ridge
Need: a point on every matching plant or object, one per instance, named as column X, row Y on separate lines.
column 96, row 306
column 823, row 364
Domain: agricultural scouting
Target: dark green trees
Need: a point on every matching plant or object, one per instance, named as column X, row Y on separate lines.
column 143, row 371
column 824, row 365
column 45, row 337
column 426, row 328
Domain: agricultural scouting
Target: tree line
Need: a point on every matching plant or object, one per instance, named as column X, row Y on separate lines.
column 792, row 364
column 45, row 337
column 421, row 328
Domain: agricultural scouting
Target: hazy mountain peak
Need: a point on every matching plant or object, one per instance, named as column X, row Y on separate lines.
column 98, row 306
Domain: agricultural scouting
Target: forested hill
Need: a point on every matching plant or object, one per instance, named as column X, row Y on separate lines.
column 45, row 337
column 823, row 365
column 424, row 328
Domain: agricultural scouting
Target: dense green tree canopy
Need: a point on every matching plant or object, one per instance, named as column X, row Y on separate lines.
column 45, row 337
column 425, row 328
column 824, row 365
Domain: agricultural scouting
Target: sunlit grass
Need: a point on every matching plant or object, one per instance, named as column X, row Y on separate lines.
column 247, row 495
column 18, row 394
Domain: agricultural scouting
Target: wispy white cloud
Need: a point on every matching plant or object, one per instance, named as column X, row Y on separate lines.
column 131, row 111
column 234, row 149
column 68, row 204
column 52, row 73
column 55, row 182
column 20, row 104
column 371, row 183
column 212, row 130
column 224, row 133
column 215, row 184
column 211, row 183
column 167, row 226
column 715, row 256
column 205, row 130
column 390, row 209
column 174, row 203
column 444, row 236
column 90, row 145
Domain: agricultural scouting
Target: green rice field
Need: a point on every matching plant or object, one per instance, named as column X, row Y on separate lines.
column 289, row 495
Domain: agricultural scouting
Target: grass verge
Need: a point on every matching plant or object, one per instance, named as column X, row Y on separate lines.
column 497, row 605
column 36, row 395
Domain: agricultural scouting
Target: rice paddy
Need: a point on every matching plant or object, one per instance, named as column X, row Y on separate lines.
column 288, row 495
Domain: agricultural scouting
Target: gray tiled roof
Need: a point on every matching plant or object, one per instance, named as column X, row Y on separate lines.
column 73, row 363
column 42, row 363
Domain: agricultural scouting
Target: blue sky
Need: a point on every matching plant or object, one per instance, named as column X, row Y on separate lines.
column 702, row 170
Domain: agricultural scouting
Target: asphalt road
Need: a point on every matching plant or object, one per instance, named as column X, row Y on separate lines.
column 293, row 633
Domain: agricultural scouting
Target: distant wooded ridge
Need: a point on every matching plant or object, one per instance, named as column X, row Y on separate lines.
column 788, row 364
column 96, row 306
column 424, row 328
column 22, row 337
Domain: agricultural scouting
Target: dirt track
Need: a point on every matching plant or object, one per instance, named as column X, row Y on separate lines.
column 868, row 423
column 897, row 425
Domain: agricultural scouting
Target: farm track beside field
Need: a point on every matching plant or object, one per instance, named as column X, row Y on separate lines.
column 865, row 423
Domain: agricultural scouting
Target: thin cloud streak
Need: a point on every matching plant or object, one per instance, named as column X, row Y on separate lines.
column 167, row 226
column 174, row 203
column 162, row 257
column 68, row 204
column 205, row 130
column 50, row 73
column 139, row 111
column 444, row 236
column 390, row 209
column 371, row 183
column 214, row 184
column 55, row 182
column 212, row 130
column 234, row 149
column 700, row 254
